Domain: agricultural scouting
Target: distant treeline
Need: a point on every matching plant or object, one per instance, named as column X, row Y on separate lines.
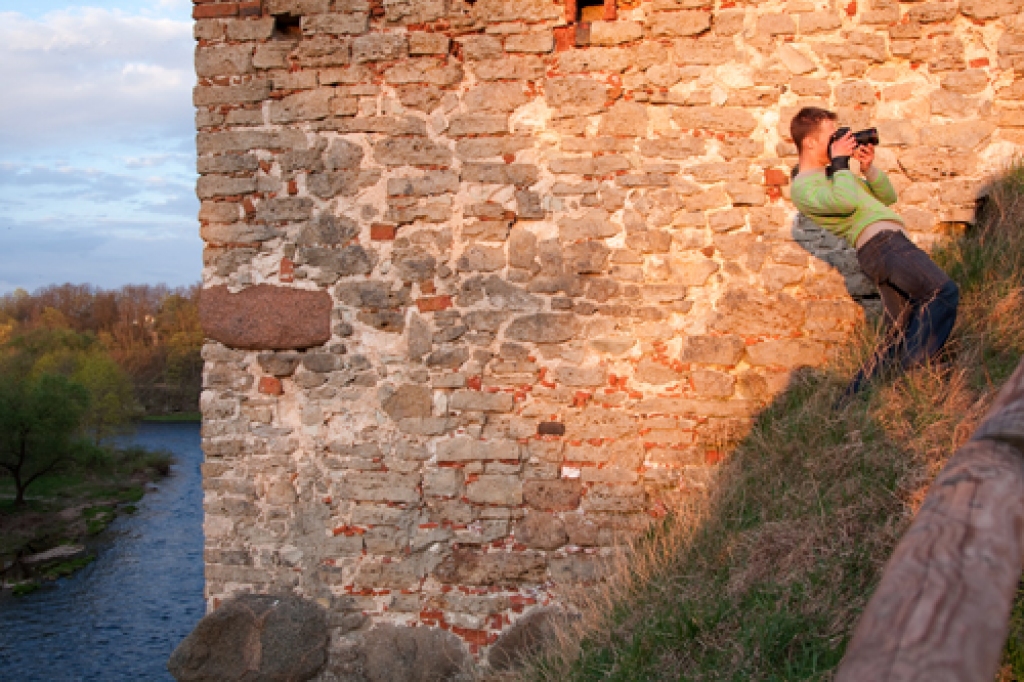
column 151, row 333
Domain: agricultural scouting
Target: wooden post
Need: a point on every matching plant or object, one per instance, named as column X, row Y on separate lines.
column 941, row 610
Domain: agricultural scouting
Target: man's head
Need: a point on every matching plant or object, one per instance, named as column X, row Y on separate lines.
column 811, row 130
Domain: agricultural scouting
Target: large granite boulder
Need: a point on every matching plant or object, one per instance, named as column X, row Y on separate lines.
column 255, row 638
column 389, row 653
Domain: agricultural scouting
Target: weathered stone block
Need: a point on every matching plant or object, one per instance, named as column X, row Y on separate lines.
column 510, row 68
column 965, row 135
column 422, row 43
column 932, row 12
column 537, row 42
column 355, row 23
column 379, row 48
column 789, row 353
column 677, row 24
column 380, row 487
column 266, row 317
column 465, row 449
column 594, row 224
column 480, row 258
column 443, row 482
column 488, row 97
column 817, row 22
column 541, row 531
column 477, row 124
column 303, row 106
column 722, row 119
column 224, row 60
column 410, row 400
column 749, row 313
column 576, row 95
column 628, row 119
column 543, row 328
column 923, row 164
column 776, row 24
column 615, row 32
column 467, row 567
column 211, row 186
column 496, row 489
column 479, row 401
column 552, row 495
column 411, row 151
column 231, row 94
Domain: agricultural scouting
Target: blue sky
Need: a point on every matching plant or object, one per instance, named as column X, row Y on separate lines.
column 97, row 159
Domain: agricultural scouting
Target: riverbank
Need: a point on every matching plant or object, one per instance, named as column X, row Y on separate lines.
column 174, row 418
column 48, row 537
column 120, row 617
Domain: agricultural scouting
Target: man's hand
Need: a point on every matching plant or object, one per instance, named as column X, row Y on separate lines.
column 844, row 146
column 865, row 155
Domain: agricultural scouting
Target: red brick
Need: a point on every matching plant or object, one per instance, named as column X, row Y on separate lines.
column 215, row 11
column 565, row 38
column 250, row 9
column 851, row 9
column 979, row 63
column 434, row 303
column 775, row 178
column 286, row 273
column 472, row 636
column 380, row 232
column 271, row 386
column 570, row 13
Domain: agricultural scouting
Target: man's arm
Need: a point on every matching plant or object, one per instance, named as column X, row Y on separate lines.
column 881, row 186
column 838, row 197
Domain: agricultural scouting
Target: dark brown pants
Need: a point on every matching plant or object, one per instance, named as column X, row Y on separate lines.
column 920, row 304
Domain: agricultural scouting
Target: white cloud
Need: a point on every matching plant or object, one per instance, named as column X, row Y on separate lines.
column 80, row 76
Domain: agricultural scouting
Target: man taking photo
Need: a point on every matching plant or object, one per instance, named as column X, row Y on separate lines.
column 920, row 300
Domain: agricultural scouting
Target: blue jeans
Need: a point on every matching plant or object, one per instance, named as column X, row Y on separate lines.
column 920, row 305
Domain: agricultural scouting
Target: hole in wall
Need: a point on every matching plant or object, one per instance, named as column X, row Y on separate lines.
column 590, row 10
column 287, row 26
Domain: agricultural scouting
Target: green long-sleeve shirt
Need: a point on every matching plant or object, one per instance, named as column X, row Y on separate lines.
column 845, row 204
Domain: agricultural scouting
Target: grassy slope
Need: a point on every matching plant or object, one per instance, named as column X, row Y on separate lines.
column 765, row 579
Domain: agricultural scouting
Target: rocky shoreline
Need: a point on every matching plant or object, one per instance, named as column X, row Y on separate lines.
column 51, row 537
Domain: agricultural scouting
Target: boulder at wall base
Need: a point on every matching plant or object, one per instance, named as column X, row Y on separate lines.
column 524, row 638
column 390, row 653
column 255, row 638
column 266, row 317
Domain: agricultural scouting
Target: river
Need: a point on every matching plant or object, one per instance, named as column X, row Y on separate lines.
column 121, row 616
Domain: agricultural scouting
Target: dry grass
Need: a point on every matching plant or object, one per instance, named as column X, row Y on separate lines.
column 764, row 577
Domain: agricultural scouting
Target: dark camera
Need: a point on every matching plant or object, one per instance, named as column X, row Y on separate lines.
column 862, row 137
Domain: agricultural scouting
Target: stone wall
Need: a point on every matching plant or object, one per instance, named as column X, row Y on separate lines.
column 487, row 289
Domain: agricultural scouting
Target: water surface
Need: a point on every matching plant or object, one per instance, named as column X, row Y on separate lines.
column 120, row 617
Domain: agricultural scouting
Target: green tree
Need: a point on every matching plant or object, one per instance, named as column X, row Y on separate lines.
column 111, row 397
column 40, row 416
